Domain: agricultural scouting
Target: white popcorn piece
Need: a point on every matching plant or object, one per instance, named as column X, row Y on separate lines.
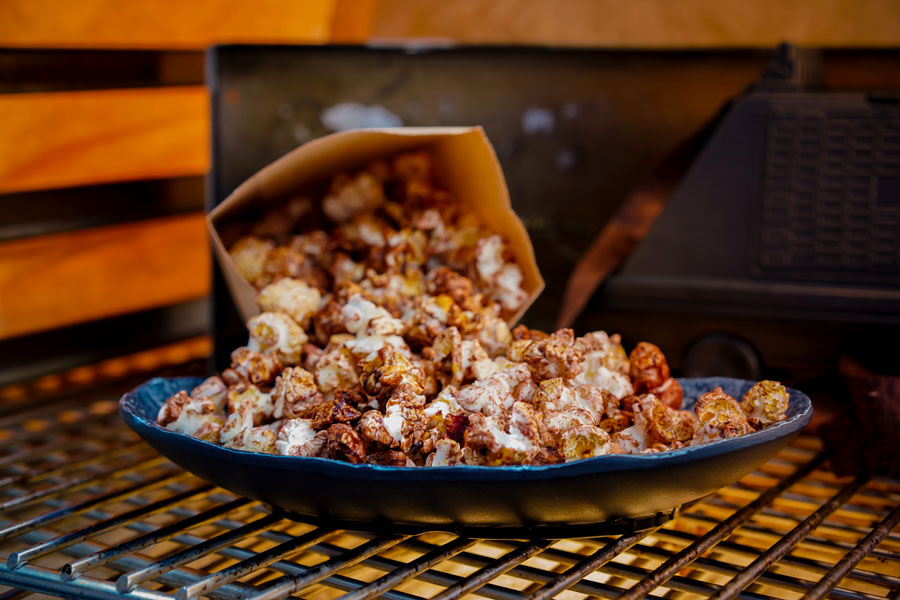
column 447, row 453
column 595, row 373
column 295, row 390
column 337, row 370
column 503, row 278
column 277, row 333
column 248, row 408
column 196, row 417
column 365, row 318
column 292, row 297
column 296, row 437
column 350, row 196
column 632, row 440
column 259, row 439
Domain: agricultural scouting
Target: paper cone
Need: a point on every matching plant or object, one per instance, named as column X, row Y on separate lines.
column 463, row 157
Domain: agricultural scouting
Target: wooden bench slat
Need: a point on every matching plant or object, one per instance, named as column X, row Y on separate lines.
column 60, row 139
column 645, row 23
column 162, row 23
column 67, row 278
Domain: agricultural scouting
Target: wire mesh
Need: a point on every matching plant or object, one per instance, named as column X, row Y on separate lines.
column 89, row 511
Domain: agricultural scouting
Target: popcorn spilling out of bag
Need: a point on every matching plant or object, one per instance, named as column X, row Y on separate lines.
column 383, row 338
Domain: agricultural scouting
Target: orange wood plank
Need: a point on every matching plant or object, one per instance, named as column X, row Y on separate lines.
column 194, row 24
column 75, row 138
column 61, row 279
column 644, row 23
column 352, row 21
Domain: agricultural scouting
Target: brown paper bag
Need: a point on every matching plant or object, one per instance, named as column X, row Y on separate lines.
column 463, row 156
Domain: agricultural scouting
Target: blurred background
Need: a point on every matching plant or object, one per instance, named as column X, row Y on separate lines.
column 118, row 130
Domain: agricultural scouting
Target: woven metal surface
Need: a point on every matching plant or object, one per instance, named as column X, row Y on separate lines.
column 89, row 511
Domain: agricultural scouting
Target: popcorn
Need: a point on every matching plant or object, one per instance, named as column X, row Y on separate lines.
column 595, row 372
column 343, row 443
column 371, row 428
column 249, row 255
column 447, row 453
column 350, row 196
column 765, row 404
column 503, row 279
column 383, row 340
column 196, row 417
column 279, row 334
column 649, row 369
column 336, row 369
column 363, row 317
column 248, row 407
column 467, row 359
column 586, row 441
column 255, row 367
column 719, row 417
column 499, row 446
column 330, row 412
column 605, row 350
column 393, row 458
column 663, row 424
column 291, row 297
column 553, row 356
column 213, row 389
column 295, row 391
column 388, row 372
column 297, row 437
column 260, row 439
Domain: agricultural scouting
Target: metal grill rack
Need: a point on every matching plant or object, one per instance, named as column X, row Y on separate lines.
column 89, row 511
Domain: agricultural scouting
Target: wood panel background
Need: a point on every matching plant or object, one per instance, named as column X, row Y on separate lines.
column 60, row 139
column 644, row 23
column 55, row 280
column 77, row 119
column 162, row 24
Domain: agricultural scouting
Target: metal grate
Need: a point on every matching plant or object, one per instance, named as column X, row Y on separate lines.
column 832, row 193
column 88, row 511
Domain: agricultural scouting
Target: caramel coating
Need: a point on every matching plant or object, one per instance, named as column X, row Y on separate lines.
column 765, row 404
column 649, row 369
column 719, row 417
column 554, row 356
column 342, row 442
column 258, row 368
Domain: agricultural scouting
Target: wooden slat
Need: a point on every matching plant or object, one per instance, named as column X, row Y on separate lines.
column 352, row 21
column 67, row 278
column 645, row 23
column 194, row 24
column 77, row 138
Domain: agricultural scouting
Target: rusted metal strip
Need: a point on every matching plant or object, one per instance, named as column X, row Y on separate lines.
column 253, row 563
column 785, row 544
column 408, row 571
column 577, row 572
column 73, row 569
column 73, row 485
column 129, row 581
column 85, row 505
column 291, row 585
column 718, row 533
column 17, row 559
column 494, row 569
column 852, row 558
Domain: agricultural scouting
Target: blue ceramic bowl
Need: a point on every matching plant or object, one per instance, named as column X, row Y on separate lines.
column 595, row 496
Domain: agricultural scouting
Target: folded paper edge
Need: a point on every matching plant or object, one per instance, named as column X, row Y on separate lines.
column 275, row 181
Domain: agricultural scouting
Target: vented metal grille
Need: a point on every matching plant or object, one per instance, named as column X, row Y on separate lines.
column 89, row 511
column 831, row 200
